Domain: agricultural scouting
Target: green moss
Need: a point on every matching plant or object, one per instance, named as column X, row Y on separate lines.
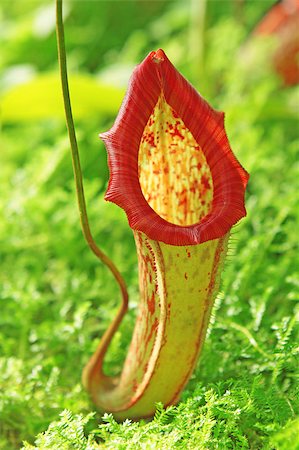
column 57, row 300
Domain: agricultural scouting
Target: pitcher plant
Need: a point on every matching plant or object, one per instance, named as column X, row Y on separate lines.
column 173, row 172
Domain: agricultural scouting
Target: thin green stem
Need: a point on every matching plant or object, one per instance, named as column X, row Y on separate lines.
column 77, row 167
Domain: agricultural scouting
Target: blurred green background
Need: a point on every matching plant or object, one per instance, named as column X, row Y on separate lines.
column 56, row 299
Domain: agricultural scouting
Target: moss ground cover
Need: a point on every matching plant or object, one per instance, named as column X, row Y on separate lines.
column 56, row 299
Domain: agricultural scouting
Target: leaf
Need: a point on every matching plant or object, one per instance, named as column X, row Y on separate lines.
column 41, row 98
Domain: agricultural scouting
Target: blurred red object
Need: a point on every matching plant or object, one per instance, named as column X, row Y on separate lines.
column 282, row 20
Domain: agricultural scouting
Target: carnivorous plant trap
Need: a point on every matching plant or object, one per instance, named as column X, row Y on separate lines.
column 173, row 172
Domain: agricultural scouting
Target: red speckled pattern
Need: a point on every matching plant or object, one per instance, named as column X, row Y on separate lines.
column 174, row 176
column 153, row 78
column 149, row 316
column 177, row 289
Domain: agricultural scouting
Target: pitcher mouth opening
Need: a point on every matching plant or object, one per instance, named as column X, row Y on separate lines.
column 171, row 166
column 173, row 172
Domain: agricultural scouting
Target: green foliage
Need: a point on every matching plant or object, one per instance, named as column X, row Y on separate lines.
column 57, row 300
column 40, row 98
column 66, row 434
